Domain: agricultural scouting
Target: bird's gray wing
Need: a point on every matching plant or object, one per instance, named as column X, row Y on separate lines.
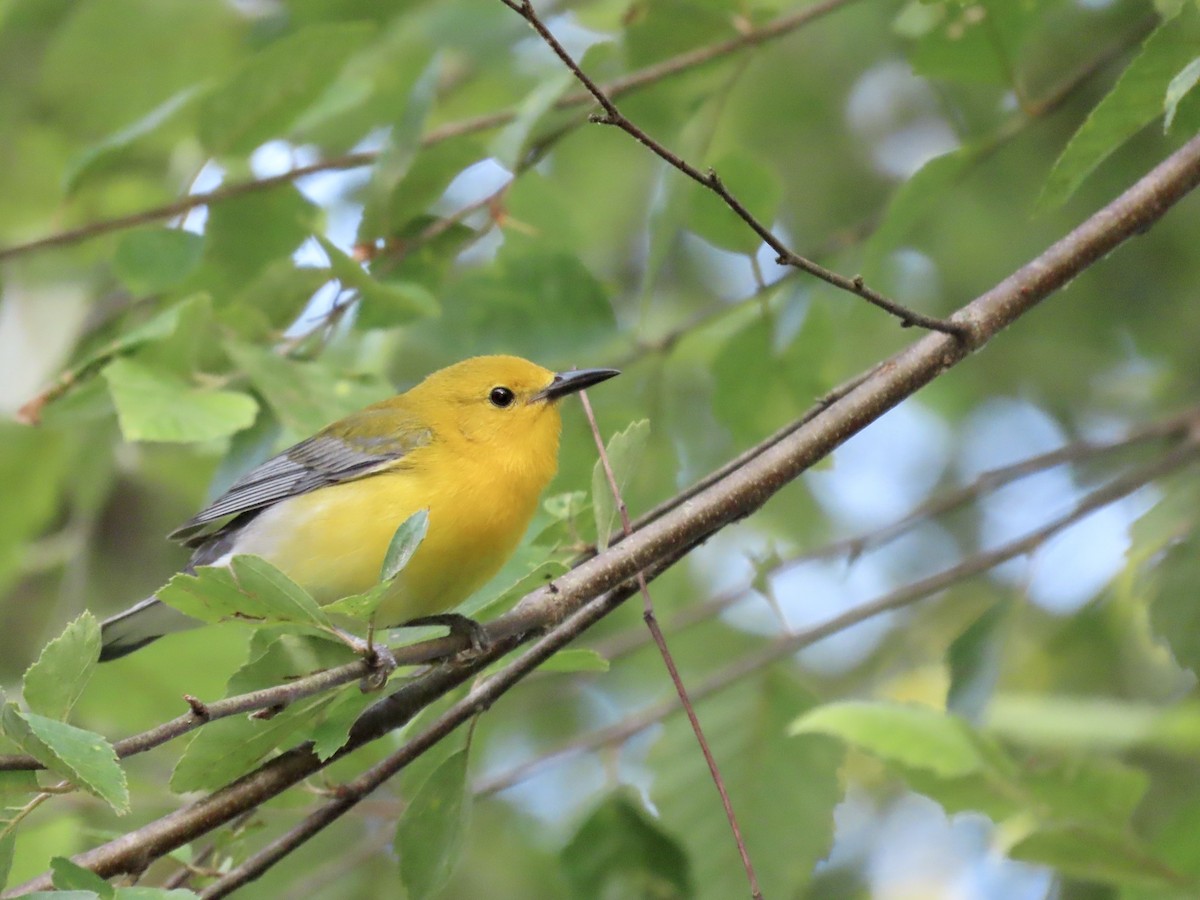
column 321, row 460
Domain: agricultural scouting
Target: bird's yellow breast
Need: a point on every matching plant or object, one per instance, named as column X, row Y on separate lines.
column 332, row 541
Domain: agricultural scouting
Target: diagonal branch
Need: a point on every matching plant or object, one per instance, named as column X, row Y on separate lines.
column 784, row 255
column 599, row 584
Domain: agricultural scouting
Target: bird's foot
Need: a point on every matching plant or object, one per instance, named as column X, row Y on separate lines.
column 378, row 658
column 462, row 626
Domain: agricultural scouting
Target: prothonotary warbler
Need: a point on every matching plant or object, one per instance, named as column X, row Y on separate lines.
column 474, row 444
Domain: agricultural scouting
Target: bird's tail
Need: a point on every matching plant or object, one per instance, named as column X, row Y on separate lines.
column 138, row 626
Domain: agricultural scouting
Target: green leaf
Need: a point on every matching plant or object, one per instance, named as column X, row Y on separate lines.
column 575, row 660
column 432, row 829
column 754, row 185
column 69, row 876
column 1096, row 853
column 915, row 200
column 154, row 405
column 624, row 452
column 512, row 143
column 784, row 792
column 250, row 589
column 397, row 156
column 358, row 606
column 1099, row 725
column 1178, row 89
column 230, row 747
column 528, row 302
column 269, row 92
column 332, row 732
column 915, row 736
column 7, row 846
column 82, row 757
column 306, row 396
column 1174, row 613
column 116, row 146
column 384, row 304
column 151, row 260
column 1135, row 100
column 620, row 851
column 975, row 657
column 55, row 681
column 404, row 544
column 281, row 599
column 246, row 234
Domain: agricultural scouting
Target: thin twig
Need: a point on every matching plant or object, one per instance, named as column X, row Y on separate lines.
column 660, row 641
column 784, row 255
column 789, row 644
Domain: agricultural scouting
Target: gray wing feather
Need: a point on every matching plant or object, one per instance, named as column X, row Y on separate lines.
column 319, row 461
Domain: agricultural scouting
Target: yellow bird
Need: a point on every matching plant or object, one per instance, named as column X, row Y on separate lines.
column 474, row 444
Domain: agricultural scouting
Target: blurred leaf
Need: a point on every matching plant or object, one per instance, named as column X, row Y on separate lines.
column 621, row 851
column 1174, row 613
column 246, row 234
column 7, row 844
column 404, row 544
column 426, row 179
column 575, row 660
column 916, row 736
column 94, row 158
column 1178, row 89
column 431, row 831
column 384, row 304
column 755, row 187
column 397, row 155
column 1095, row 853
column 510, row 146
column 975, row 658
column 279, row 294
column 159, row 327
column 156, row 259
column 530, row 303
column 624, row 451
column 1075, row 723
column 157, row 406
column 67, row 876
column 62, row 671
column 784, row 792
column 1135, row 101
column 967, row 42
column 914, row 200
column 265, row 96
column 82, row 757
column 306, row 396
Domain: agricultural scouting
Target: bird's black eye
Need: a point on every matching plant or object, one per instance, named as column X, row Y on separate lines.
column 501, row 397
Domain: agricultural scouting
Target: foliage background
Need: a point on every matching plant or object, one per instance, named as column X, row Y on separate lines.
column 932, row 147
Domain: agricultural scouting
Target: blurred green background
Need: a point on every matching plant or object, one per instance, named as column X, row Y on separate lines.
column 932, row 147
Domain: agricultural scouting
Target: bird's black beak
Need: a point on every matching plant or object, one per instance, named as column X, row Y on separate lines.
column 569, row 382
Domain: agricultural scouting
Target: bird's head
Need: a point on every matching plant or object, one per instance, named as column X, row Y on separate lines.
column 503, row 406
